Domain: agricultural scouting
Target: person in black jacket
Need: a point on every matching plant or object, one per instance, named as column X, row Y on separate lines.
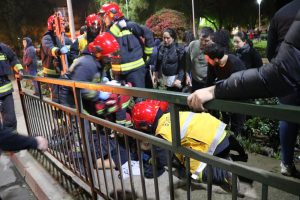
column 170, row 61
column 278, row 78
column 10, row 141
column 288, row 131
column 221, row 66
column 245, row 51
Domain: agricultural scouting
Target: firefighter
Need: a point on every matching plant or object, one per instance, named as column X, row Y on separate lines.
column 199, row 131
column 51, row 50
column 93, row 28
column 136, row 43
column 88, row 68
column 8, row 59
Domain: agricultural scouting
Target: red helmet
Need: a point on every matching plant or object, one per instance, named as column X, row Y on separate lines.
column 163, row 105
column 103, row 45
column 50, row 23
column 93, row 20
column 112, row 10
column 143, row 114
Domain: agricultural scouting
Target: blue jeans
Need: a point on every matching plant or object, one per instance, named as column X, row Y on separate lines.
column 35, row 85
column 288, row 131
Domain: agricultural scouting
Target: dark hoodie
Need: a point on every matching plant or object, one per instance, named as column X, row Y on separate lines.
column 29, row 57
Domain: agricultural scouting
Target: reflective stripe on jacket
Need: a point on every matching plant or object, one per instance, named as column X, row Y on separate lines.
column 132, row 49
column 199, row 131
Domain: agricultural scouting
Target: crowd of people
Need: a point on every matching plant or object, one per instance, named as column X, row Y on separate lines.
column 116, row 51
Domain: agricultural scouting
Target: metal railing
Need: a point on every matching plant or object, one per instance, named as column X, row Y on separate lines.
column 77, row 140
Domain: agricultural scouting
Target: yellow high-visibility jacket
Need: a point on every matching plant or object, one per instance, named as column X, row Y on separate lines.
column 199, row 131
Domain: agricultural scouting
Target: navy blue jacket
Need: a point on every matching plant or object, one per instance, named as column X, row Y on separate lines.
column 14, row 142
column 50, row 54
column 135, row 41
column 8, row 59
column 85, row 68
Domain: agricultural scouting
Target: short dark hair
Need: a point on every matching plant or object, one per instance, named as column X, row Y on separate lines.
column 213, row 51
column 222, row 38
column 206, row 31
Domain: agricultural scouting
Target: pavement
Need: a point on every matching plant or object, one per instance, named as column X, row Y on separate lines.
column 22, row 177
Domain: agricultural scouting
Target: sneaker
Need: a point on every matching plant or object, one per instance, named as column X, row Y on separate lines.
column 288, row 170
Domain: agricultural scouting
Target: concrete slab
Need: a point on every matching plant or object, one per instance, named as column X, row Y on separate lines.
column 7, row 175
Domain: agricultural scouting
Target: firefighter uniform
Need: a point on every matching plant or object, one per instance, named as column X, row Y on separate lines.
column 52, row 66
column 8, row 59
column 136, row 42
column 85, row 68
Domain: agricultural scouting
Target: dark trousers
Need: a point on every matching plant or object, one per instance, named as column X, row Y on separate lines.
column 288, row 131
column 236, row 122
column 135, row 77
column 7, row 109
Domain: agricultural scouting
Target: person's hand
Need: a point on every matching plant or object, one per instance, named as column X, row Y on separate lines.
column 20, row 74
column 188, row 80
column 155, row 77
column 64, row 50
column 196, row 100
column 177, row 83
column 42, row 143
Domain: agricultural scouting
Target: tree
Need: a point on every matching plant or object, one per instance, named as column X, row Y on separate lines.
column 166, row 18
column 22, row 18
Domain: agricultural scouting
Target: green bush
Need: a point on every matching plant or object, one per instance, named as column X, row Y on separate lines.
column 260, row 46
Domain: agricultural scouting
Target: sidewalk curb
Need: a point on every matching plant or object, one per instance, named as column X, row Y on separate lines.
column 42, row 184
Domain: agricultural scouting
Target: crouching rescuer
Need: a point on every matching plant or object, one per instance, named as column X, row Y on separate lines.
column 199, row 131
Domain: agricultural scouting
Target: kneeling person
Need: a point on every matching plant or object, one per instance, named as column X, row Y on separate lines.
column 199, row 131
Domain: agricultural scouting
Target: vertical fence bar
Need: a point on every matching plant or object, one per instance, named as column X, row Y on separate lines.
column 83, row 124
column 117, row 143
column 129, row 166
column 102, row 160
column 154, row 165
column 188, row 178
column 141, row 169
column 264, row 192
column 209, row 181
column 175, row 125
column 107, row 138
column 170, row 173
column 234, row 186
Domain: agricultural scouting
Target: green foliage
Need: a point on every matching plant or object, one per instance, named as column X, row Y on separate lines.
column 262, row 132
column 166, row 18
column 260, row 46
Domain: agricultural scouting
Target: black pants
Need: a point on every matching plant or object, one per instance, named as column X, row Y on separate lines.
column 236, row 122
column 7, row 109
